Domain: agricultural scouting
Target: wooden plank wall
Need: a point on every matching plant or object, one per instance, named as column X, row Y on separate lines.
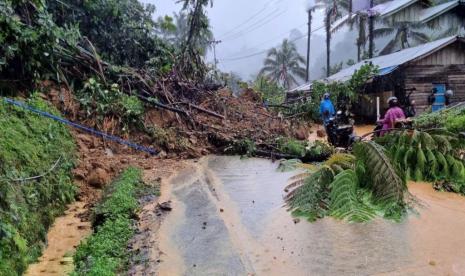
column 411, row 13
column 453, row 54
column 444, row 66
column 422, row 78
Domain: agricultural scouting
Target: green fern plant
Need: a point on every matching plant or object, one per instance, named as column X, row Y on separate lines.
column 345, row 203
column 382, row 177
column 340, row 188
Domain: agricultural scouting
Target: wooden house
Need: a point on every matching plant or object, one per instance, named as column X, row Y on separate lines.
column 439, row 64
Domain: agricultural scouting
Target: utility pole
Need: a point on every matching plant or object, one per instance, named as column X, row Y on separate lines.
column 371, row 30
column 308, row 43
column 214, row 43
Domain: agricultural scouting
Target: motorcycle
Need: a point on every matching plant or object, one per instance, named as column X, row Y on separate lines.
column 340, row 130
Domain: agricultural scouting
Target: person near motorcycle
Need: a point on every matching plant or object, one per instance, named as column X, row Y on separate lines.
column 326, row 109
column 393, row 114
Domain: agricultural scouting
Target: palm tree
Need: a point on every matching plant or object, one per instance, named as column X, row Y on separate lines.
column 333, row 10
column 284, row 64
column 406, row 34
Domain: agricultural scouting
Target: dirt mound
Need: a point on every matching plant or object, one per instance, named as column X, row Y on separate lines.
column 193, row 125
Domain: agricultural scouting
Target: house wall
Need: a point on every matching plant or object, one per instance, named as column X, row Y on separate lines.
column 452, row 18
column 444, row 66
column 451, row 55
column 422, row 77
column 410, row 13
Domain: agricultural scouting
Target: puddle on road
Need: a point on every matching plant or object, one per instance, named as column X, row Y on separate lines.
column 62, row 238
column 228, row 219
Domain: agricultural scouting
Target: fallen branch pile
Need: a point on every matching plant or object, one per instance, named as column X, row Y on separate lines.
column 209, row 117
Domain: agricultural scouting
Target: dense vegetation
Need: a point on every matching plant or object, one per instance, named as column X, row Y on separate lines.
column 105, row 251
column 30, row 146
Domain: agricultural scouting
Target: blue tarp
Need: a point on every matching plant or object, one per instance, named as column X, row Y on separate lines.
column 387, row 70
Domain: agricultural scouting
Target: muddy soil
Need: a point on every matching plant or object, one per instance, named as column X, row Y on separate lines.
column 98, row 164
column 62, row 238
column 228, row 219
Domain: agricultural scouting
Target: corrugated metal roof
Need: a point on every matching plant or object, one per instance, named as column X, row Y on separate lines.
column 391, row 7
column 383, row 10
column 394, row 59
column 303, row 87
column 435, row 11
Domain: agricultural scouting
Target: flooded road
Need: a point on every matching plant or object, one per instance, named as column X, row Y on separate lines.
column 228, row 219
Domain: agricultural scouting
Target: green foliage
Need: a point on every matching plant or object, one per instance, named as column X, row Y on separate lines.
column 380, row 175
column 452, row 118
column 123, row 31
column 313, row 151
column 355, row 188
column 100, row 102
column 292, row 146
column 456, row 123
column 29, row 146
column 269, row 90
column 28, row 40
column 426, row 155
column 341, row 92
column 345, row 202
column 284, row 65
column 105, row 252
column 189, row 63
column 311, row 199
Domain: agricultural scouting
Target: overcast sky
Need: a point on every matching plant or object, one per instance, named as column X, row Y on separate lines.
column 247, row 27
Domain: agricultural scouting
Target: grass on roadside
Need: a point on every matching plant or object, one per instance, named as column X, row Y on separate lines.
column 105, row 252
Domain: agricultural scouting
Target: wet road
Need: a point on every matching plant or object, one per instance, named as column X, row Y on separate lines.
column 228, row 219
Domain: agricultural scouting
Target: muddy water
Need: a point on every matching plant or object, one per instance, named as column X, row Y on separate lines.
column 65, row 234
column 228, row 219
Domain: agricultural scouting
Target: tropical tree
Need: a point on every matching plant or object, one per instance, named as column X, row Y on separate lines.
column 284, row 64
column 190, row 63
column 406, row 34
column 123, row 32
column 334, row 9
column 175, row 30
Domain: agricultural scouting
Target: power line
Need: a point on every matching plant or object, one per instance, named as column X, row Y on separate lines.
column 265, row 7
column 265, row 51
column 256, row 26
column 278, row 36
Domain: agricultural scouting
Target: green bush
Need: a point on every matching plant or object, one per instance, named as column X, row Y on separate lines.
column 123, row 32
column 101, row 101
column 29, row 146
column 105, row 252
column 450, row 117
column 292, row 146
column 456, row 123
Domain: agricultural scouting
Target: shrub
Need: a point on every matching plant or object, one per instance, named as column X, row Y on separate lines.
column 101, row 101
column 30, row 145
column 456, row 123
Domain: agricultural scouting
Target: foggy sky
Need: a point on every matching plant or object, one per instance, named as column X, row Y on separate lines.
column 247, row 27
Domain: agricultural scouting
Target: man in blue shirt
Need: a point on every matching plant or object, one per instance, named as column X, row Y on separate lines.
column 326, row 109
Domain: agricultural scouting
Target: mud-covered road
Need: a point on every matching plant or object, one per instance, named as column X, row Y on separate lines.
column 228, row 219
